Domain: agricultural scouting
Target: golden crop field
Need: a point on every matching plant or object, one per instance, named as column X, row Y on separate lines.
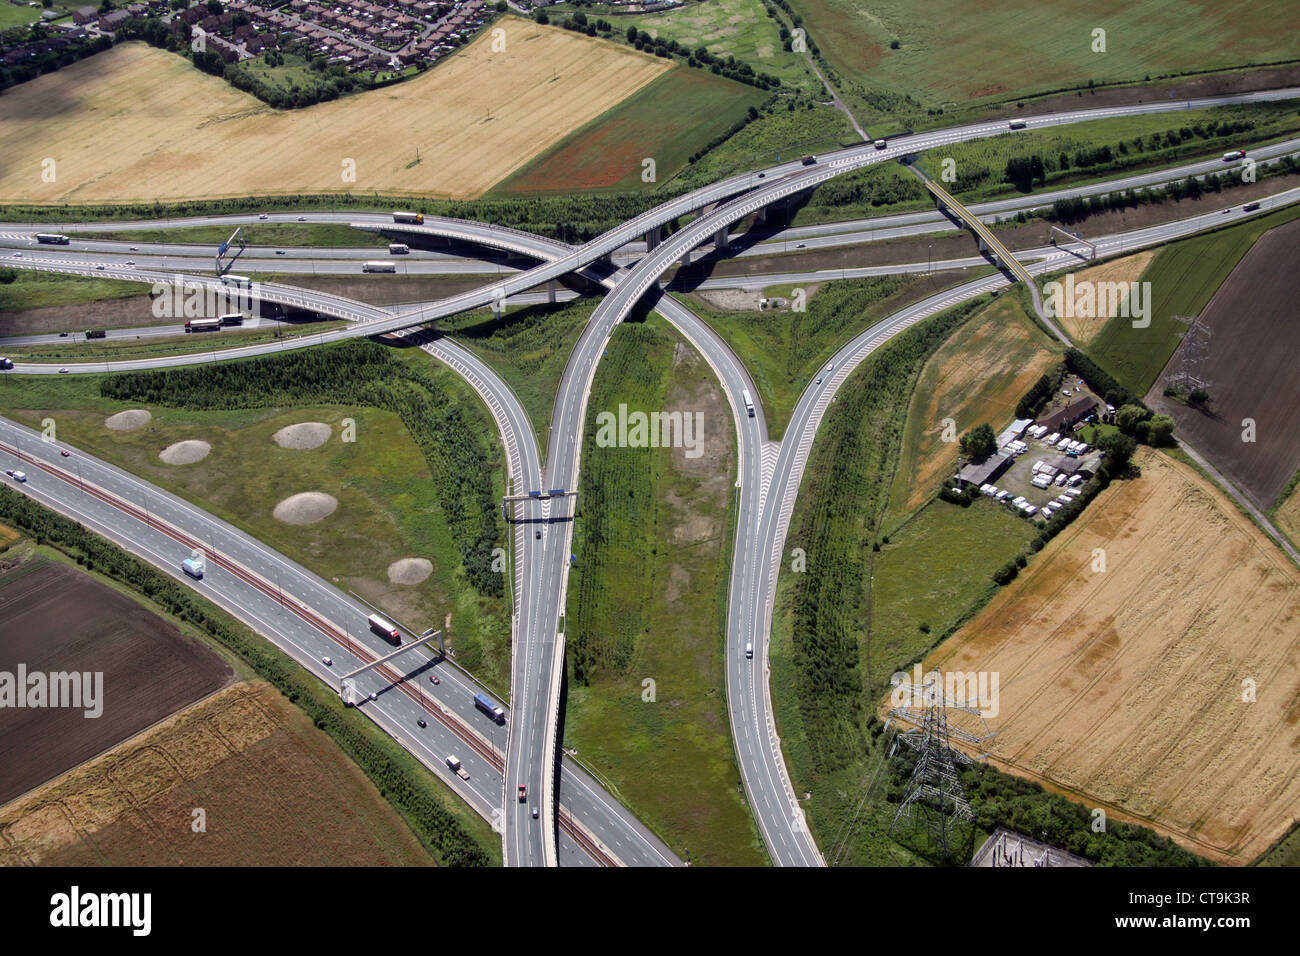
column 1083, row 329
column 137, row 123
column 1124, row 688
column 269, row 784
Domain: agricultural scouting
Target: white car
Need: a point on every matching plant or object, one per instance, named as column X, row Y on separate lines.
column 130, row 262
column 63, row 371
column 100, row 266
column 19, row 476
column 327, row 661
column 135, row 249
column 374, row 696
column 18, row 255
column 263, row 216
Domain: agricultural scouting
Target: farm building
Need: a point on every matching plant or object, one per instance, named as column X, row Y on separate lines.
column 1013, row 431
column 979, row 473
column 1064, row 417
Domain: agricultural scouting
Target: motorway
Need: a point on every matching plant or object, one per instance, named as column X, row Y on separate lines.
column 532, row 734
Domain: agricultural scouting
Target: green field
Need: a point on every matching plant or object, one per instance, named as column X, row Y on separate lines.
column 668, row 120
column 17, row 15
column 954, row 54
column 653, row 540
column 529, row 348
column 382, row 481
column 34, row 290
column 785, row 350
column 1183, row 276
column 738, row 28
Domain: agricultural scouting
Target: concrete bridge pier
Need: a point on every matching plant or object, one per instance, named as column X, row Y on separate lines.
column 653, row 238
column 550, row 292
column 721, row 238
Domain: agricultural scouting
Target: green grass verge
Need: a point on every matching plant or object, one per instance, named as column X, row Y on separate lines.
column 309, row 235
column 1183, row 276
column 647, row 603
column 34, row 290
column 451, row 832
column 528, row 347
column 785, row 350
column 120, row 345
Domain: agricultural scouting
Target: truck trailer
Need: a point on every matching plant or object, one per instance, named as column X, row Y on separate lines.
column 490, row 707
column 385, row 629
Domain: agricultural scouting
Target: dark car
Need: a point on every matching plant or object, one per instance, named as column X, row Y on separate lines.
column 421, row 723
column 523, row 793
column 434, row 680
column 539, row 535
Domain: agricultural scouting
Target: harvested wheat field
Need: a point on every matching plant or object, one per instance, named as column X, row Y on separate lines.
column 1083, row 329
column 268, row 782
column 138, row 123
column 978, row 375
column 1124, row 688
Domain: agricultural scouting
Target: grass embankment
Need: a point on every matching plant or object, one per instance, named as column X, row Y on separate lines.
column 317, row 235
column 420, row 480
column 785, row 350
column 120, row 345
column 1108, row 147
column 527, row 347
column 33, row 290
column 647, row 603
column 858, row 615
column 1183, row 277
column 451, row 832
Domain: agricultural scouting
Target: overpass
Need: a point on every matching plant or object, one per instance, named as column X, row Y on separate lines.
column 991, row 246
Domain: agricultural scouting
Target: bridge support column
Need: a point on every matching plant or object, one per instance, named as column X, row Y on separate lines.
column 653, row 238
column 721, row 239
column 685, row 260
column 550, row 292
column 761, row 215
column 984, row 246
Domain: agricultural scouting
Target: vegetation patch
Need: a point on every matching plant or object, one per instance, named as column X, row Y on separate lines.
column 646, row 704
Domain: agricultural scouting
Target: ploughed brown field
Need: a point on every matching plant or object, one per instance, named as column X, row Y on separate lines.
column 1252, row 363
column 56, row 618
column 273, row 791
column 1123, row 688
